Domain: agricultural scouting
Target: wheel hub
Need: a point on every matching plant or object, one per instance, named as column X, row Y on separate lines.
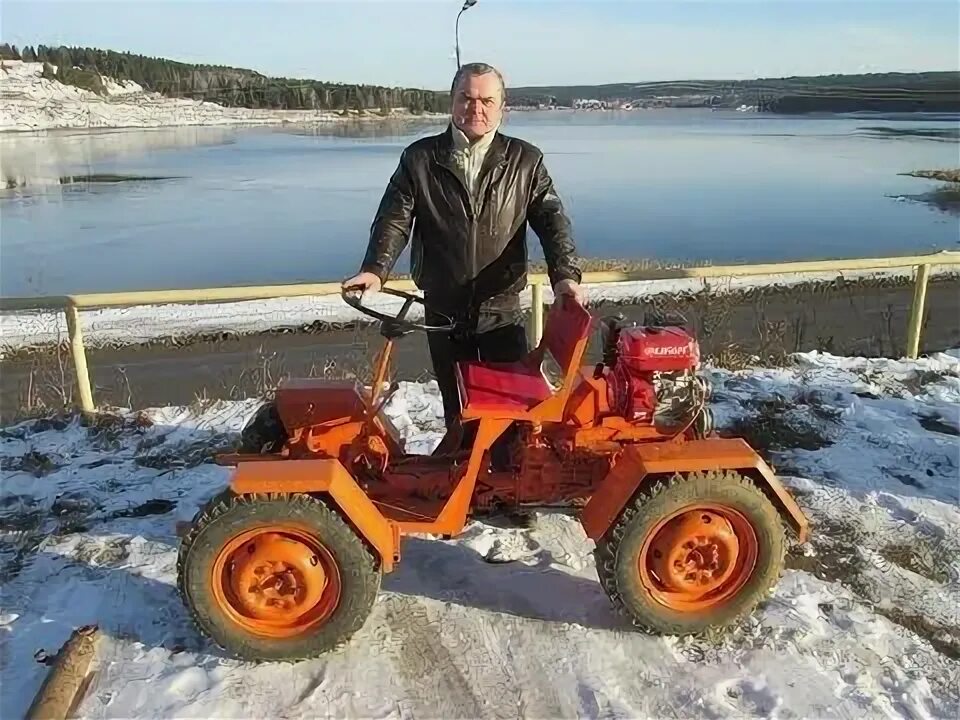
column 278, row 584
column 275, row 581
column 694, row 553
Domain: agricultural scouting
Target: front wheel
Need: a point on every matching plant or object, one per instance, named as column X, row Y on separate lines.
column 276, row 577
column 692, row 553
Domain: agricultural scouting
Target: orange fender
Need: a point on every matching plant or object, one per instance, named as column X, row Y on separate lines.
column 328, row 476
column 640, row 463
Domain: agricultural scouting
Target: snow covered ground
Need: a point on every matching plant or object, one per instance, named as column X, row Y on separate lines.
column 510, row 621
column 32, row 102
column 143, row 323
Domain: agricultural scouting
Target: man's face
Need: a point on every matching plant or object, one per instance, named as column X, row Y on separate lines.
column 477, row 104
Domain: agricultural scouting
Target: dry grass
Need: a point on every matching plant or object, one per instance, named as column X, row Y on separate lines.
column 33, row 462
column 50, row 384
column 945, row 198
column 950, row 175
column 836, row 559
column 920, row 558
column 776, row 424
column 187, row 456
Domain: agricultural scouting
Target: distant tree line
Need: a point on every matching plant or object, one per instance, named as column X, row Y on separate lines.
column 914, row 97
column 928, row 91
column 232, row 87
column 238, row 87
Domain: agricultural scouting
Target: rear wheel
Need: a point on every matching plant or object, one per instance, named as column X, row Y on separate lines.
column 276, row 577
column 692, row 553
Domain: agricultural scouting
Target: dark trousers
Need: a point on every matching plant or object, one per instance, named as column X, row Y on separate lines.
column 507, row 343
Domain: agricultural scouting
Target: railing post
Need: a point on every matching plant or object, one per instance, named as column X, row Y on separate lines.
column 536, row 315
column 79, row 357
column 916, row 310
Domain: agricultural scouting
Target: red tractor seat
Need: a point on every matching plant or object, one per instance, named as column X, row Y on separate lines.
column 502, row 386
column 521, row 386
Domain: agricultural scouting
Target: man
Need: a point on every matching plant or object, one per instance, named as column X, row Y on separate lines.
column 468, row 194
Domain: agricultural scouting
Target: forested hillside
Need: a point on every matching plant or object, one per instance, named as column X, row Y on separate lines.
column 232, row 87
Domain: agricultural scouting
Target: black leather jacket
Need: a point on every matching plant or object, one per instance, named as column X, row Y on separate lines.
column 470, row 256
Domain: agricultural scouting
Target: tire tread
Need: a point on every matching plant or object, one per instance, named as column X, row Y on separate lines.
column 364, row 565
column 608, row 548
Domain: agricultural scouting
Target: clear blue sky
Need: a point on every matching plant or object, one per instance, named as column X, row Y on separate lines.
column 535, row 42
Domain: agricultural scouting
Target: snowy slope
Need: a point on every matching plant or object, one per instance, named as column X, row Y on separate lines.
column 32, row 102
column 510, row 621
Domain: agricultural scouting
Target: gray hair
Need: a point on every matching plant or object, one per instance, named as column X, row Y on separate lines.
column 477, row 68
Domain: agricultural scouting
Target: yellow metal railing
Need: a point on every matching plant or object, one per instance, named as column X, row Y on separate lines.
column 72, row 304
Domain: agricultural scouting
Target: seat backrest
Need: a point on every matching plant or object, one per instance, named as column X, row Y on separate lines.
column 566, row 333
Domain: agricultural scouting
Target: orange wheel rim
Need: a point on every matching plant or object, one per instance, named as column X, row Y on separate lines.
column 698, row 557
column 276, row 581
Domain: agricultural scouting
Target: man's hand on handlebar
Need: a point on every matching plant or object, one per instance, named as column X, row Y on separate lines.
column 355, row 288
column 365, row 283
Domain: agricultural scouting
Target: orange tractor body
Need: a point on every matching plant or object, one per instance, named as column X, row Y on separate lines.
column 593, row 442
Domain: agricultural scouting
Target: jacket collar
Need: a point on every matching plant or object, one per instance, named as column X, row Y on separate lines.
column 462, row 142
column 447, row 145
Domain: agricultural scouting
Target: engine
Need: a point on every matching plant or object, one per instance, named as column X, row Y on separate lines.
column 652, row 378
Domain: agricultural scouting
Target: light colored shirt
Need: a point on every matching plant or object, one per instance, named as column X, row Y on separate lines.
column 469, row 156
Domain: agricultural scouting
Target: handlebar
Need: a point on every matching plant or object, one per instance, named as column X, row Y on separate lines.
column 394, row 325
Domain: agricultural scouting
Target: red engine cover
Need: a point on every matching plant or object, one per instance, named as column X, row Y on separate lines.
column 657, row 349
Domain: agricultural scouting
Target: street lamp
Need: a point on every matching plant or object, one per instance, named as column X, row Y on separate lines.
column 467, row 4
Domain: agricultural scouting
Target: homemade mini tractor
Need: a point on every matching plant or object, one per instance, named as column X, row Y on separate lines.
column 690, row 528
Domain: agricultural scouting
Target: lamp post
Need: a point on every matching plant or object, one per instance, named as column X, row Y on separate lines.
column 467, row 4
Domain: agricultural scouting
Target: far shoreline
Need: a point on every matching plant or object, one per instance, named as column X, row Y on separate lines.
column 327, row 118
column 272, row 119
